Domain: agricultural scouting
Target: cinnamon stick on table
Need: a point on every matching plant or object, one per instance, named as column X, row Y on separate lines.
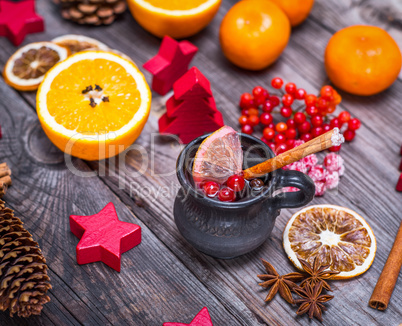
column 389, row 275
column 5, row 178
column 325, row 141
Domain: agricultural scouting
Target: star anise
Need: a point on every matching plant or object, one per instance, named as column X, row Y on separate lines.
column 284, row 283
column 317, row 273
column 312, row 301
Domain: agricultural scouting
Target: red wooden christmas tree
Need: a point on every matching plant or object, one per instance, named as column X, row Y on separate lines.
column 170, row 63
column 191, row 111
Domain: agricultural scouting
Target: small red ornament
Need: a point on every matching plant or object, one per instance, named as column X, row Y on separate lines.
column 191, row 111
column 103, row 237
column 18, row 18
column 170, row 63
column 399, row 184
column 202, row 319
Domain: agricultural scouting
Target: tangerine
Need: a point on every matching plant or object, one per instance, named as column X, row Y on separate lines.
column 296, row 10
column 254, row 33
column 362, row 60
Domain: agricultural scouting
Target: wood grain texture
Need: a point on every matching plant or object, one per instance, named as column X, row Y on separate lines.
column 174, row 281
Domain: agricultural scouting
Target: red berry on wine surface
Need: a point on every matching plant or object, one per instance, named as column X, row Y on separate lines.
column 327, row 92
column 286, row 111
column 267, row 106
column 326, row 127
column 335, row 148
column 211, row 188
column 246, row 100
column 304, row 127
column 243, row 120
column 247, row 129
column 268, row 133
column 277, row 82
column 291, row 123
column 310, row 100
column 280, row 139
column 300, row 94
column 266, row 118
column 354, row 124
column 253, row 120
column 299, row 118
column 290, row 88
column 252, row 111
column 312, row 110
column 306, row 137
column 291, row 133
column 274, row 100
column 344, row 116
column 287, row 99
column 349, row 135
column 226, row 194
column 281, row 127
column 317, row 131
column 281, row 148
column 335, row 123
column 236, row 182
column 317, row 120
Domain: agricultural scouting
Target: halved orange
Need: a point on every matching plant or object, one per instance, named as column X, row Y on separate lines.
column 219, row 156
column 177, row 18
column 26, row 68
column 336, row 235
column 94, row 104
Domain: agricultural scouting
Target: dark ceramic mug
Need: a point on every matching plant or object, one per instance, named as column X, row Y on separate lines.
column 230, row 229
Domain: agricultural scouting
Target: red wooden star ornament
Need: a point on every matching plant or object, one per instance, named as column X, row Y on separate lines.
column 202, row 319
column 103, row 237
column 170, row 63
column 18, row 18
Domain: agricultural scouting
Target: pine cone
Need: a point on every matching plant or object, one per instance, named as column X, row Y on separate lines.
column 23, row 270
column 5, row 178
column 91, row 12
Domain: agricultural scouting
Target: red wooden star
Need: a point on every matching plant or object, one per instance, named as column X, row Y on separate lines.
column 18, row 18
column 103, row 237
column 202, row 319
column 170, row 63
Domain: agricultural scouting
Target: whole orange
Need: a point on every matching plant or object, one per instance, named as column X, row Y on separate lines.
column 254, row 33
column 362, row 60
column 296, row 10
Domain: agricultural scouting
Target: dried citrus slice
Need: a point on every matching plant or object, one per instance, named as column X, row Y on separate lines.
column 77, row 43
column 26, row 68
column 94, row 104
column 219, row 156
column 338, row 236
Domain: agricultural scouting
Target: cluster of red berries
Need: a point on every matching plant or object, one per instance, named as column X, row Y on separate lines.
column 310, row 119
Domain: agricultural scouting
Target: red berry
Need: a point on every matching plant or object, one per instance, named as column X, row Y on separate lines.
column 280, row 139
column 246, row 100
column 287, row 99
column 211, row 188
column 326, row 127
column 266, row 118
column 253, row 111
column 274, row 100
column 317, row 131
column 290, row 133
column 268, row 133
column 243, row 120
column 271, row 146
column 349, row 135
column 354, row 124
column 226, row 194
column 335, row 123
column 290, row 143
column 247, row 129
column 335, row 148
column 304, row 127
column 286, row 112
column 281, row 127
column 322, row 104
column 291, row 123
column 271, row 125
column 317, row 120
column 258, row 91
column 300, row 94
column 281, row 148
column 310, row 99
column 331, row 108
column 245, row 112
column 259, row 94
column 344, row 116
column 253, row 120
column 306, row 137
column 327, row 92
column 311, row 110
column 277, row 82
column 267, row 107
column 299, row 118
column 290, row 88
column 236, row 182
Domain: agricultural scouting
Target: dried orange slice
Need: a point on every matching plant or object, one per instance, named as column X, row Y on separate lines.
column 219, row 156
column 26, row 68
column 336, row 235
column 77, row 43
column 94, row 104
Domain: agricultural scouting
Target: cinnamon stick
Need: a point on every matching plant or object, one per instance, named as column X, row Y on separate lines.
column 325, row 141
column 389, row 275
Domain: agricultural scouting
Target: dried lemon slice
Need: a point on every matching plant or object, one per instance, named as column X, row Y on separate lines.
column 26, row 68
column 338, row 236
column 77, row 43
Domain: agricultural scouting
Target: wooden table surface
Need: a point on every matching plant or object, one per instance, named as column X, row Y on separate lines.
column 164, row 278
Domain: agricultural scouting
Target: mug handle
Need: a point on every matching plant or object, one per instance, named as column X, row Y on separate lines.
column 295, row 179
